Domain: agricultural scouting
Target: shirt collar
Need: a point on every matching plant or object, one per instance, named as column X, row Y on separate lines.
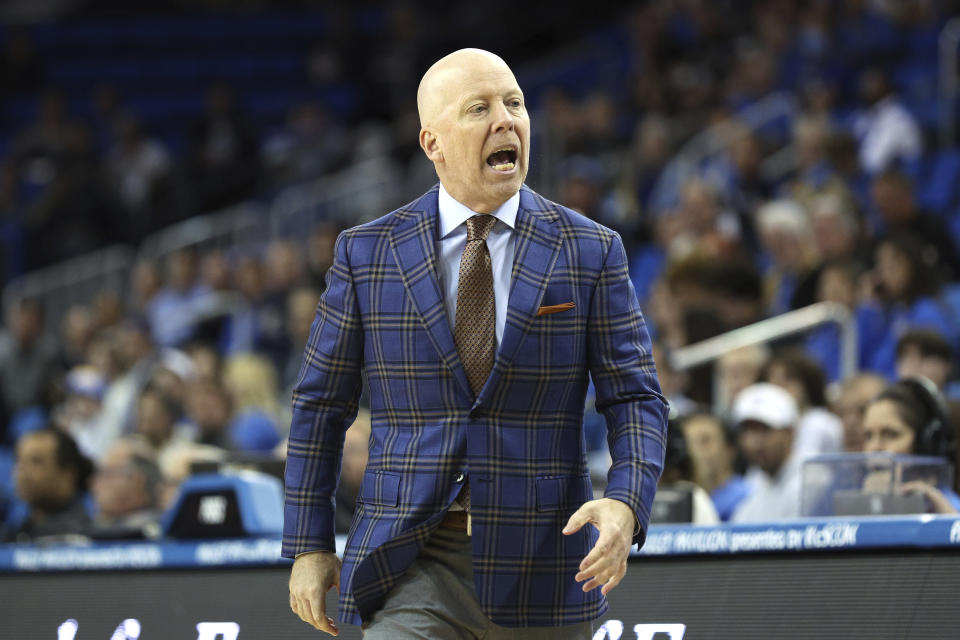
column 453, row 213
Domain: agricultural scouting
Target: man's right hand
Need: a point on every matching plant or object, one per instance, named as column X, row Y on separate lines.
column 312, row 576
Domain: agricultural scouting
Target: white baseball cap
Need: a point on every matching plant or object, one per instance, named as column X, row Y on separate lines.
column 765, row 403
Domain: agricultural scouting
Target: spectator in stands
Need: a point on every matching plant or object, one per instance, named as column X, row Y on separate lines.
column 836, row 229
column 207, row 361
column 886, row 129
column 125, row 489
column 699, row 221
column 922, row 353
column 855, row 395
column 73, row 213
column 310, row 144
column 786, row 235
column 145, row 284
column 209, row 410
column 678, row 476
column 29, row 367
column 103, row 355
column 817, row 430
column 251, row 382
column 223, row 160
column 737, row 289
column 52, row 477
column 79, row 415
column 906, row 296
column 837, row 282
column 257, row 324
column 155, row 429
column 583, row 180
column 142, row 170
column 173, row 311
column 766, row 417
column 893, row 199
column 649, row 156
column 173, row 375
column 737, row 370
column 284, row 267
column 76, row 332
column 815, row 177
column 744, row 184
column 137, row 357
column 713, row 452
column 37, row 151
column 355, row 445
column 909, row 417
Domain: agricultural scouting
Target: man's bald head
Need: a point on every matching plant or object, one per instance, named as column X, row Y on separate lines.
column 454, row 68
column 474, row 127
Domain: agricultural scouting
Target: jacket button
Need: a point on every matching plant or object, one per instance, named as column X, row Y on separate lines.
column 460, row 477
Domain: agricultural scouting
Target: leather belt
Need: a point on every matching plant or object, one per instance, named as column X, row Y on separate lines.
column 455, row 520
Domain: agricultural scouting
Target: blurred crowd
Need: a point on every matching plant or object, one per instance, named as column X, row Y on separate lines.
column 846, row 197
column 197, row 365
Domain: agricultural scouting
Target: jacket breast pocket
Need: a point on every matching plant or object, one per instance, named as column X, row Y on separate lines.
column 555, row 493
column 381, row 487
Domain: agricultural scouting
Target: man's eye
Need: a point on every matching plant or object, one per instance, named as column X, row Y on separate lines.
column 478, row 108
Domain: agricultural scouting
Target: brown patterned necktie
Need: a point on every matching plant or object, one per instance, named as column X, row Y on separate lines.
column 475, row 326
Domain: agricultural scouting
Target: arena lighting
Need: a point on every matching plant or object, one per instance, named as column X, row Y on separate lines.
column 129, row 629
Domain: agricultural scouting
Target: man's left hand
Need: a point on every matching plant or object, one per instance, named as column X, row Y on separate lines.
column 606, row 564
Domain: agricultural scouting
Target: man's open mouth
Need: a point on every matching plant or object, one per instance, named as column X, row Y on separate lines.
column 503, row 159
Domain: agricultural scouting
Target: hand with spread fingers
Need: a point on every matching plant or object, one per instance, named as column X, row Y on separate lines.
column 312, row 576
column 606, row 564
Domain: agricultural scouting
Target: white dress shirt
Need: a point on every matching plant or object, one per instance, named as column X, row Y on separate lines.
column 501, row 243
column 887, row 131
column 773, row 497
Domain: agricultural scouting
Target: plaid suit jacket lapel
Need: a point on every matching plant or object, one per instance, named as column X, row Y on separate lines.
column 413, row 240
column 537, row 246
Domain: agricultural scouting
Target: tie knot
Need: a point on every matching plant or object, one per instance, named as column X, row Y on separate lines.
column 478, row 227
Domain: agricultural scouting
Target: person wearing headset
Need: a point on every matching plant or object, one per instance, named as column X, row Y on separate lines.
column 909, row 418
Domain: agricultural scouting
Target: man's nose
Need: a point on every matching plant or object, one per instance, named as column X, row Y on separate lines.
column 502, row 118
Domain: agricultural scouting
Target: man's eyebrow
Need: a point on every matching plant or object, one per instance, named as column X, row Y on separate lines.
column 513, row 93
column 475, row 96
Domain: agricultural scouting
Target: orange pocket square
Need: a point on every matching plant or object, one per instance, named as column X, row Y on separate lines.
column 554, row 308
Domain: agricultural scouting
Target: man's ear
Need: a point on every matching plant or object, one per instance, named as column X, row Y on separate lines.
column 430, row 145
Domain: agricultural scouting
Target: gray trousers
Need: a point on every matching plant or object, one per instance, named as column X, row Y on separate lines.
column 436, row 600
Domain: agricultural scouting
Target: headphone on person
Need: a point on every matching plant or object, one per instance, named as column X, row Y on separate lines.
column 935, row 437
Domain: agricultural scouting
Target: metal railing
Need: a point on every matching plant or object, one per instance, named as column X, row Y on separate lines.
column 687, row 162
column 75, row 281
column 355, row 195
column 231, row 227
column 781, row 326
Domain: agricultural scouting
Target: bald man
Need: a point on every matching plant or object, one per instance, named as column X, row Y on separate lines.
column 478, row 312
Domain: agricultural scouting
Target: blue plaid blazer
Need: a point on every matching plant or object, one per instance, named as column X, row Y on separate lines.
column 520, row 441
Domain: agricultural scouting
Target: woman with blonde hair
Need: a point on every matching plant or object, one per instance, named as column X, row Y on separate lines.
column 251, row 381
